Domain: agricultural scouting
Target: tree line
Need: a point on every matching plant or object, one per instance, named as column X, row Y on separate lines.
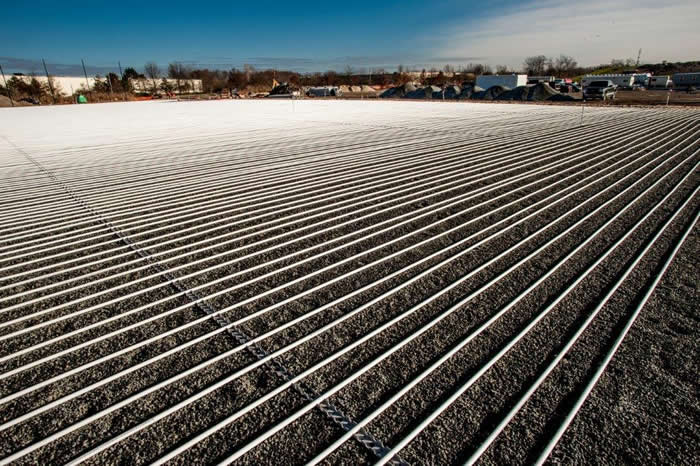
column 177, row 76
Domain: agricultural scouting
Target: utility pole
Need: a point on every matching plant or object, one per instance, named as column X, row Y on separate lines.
column 121, row 76
column 87, row 83
column 109, row 81
column 48, row 79
column 9, row 93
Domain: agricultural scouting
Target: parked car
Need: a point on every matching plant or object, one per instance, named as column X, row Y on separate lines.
column 605, row 90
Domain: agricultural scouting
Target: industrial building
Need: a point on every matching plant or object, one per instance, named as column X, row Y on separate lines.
column 510, row 81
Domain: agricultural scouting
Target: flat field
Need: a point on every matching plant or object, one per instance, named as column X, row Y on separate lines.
column 344, row 282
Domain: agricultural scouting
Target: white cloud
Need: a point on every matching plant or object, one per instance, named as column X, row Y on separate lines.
column 592, row 31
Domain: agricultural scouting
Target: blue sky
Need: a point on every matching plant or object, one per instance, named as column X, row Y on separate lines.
column 310, row 36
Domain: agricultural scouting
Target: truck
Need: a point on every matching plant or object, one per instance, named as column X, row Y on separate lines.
column 689, row 81
column 641, row 80
column 541, row 79
column 600, row 89
column 624, row 81
column 324, row 91
column 660, row 82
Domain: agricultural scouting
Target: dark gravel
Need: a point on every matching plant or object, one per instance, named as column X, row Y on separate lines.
column 644, row 410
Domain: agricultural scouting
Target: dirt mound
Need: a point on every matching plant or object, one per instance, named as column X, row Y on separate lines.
column 559, row 97
column 492, row 93
column 422, row 93
column 399, row 91
column 518, row 93
column 533, row 93
column 427, row 92
column 435, row 91
column 468, row 90
column 392, row 92
column 6, row 102
column 452, row 92
column 541, row 91
column 283, row 89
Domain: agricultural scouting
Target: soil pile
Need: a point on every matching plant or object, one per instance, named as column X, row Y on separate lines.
column 517, row 93
column 489, row 94
column 541, row 91
column 399, row 91
column 468, row 90
column 5, row 102
column 452, row 92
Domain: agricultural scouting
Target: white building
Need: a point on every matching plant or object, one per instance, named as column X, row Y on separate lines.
column 69, row 85
column 63, row 85
column 187, row 86
column 510, row 81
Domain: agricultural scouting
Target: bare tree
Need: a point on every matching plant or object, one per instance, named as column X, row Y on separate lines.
column 179, row 73
column 348, row 74
column 535, row 65
column 502, row 69
column 248, row 70
column 331, row 78
column 477, row 68
column 564, row 64
column 617, row 62
column 152, row 70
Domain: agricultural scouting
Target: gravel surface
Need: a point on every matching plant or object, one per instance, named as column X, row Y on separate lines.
column 246, row 281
